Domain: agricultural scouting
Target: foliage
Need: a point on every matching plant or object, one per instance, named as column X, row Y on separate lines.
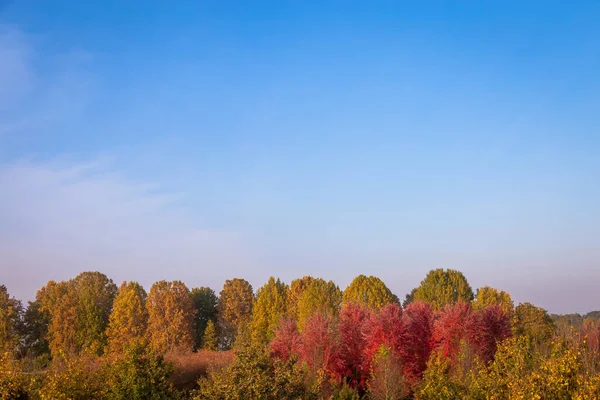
column 532, row 322
column 254, row 375
column 354, row 366
column 210, row 340
column 234, row 309
column 286, row 343
column 170, row 317
column 319, row 297
column 269, row 307
column 35, row 332
column 205, row 310
column 437, row 383
column 486, row 328
column 138, row 373
column 11, row 311
column 79, row 311
column 74, row 379
column 441, row 287
column 386, row 376
column 369, row 291
column 319, row 346
column 418, row 342
column 450, row 328
column 129, row 319
column 13, row 384
column 487, row 296
column 295, row 291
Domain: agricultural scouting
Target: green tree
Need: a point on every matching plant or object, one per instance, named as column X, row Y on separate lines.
column 441, row 287
column 532, row 322
column 205, row 310
column 210, row 340
column 35, row 327
column 11, row 312
column 320, row 296
column 234, row 309
column 129, row 318
column 295, row 291
column 170, row 317
column 487, row 296
column 369, row 291
column 270, row 306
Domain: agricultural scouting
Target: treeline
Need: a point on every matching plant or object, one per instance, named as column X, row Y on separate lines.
column 86, row 338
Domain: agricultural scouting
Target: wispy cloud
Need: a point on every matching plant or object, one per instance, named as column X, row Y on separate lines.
column 30, row 102
column 58, row 219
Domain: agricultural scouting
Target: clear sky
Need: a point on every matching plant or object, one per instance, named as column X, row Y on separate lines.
column 206, row 140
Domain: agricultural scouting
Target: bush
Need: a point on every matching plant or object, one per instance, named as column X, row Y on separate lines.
column 253, row 375
column 75, row 379
column 13, row 385
column 139, row 374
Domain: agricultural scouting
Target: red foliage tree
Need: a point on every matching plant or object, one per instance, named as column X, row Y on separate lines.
column 486, row 328
column 286, row 342
column 354, row 366
column 418, row 340
column 450, row 328
column 386, row 328
column 318, row 347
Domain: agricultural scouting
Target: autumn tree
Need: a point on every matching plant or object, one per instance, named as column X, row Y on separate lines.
column 10, row 322
column 234, row 309
column 205, row 310
column 353, row 367
column 385, row 328
column 129, row 318
column 78, row 311
column 532, row 322
column 210, row 339
column 487, row 296
column 295, row 291
column 318, row 348
column 441, row 287
column 286, row 342
column 94, row 293
column 418, row 343
column 319, row 297
column 450, row 329
column 270, row 306
column 170, row 317
column 369, row 291
column 486, row 328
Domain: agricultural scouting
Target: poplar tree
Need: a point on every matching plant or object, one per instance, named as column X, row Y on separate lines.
column 170, row 317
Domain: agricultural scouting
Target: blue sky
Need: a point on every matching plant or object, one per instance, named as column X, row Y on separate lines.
column 207, row 140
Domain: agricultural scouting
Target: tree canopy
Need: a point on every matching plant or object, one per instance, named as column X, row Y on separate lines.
column 129, row 318
column 270, row 306
column 369, row 291
column 441, row 287
column 234, row 307
column 170, row 317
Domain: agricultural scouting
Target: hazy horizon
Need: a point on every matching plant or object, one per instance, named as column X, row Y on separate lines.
column 204, row 141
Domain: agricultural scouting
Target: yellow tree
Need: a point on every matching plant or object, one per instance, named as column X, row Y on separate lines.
column 487, row 296
column 234, row 309
column 320, row 296
column 170, row 317
column 11, row 311
column 77, row 312
column 270, row 306
column 295, row 290
column 369, row 291
column 441, row 287
column 129, row 318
